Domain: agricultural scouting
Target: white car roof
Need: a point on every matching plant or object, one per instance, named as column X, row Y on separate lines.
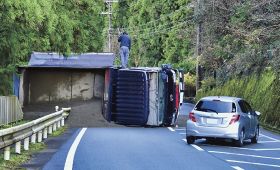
column 222, row 98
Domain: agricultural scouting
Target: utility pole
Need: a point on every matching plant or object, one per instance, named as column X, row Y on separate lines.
column 109, row 13
column 198, row 50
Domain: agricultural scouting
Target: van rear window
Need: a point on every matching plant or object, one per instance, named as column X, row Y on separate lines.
column 215, row 106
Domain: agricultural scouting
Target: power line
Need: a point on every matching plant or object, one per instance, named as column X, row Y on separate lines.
column 161, row 30
column 164, row 30
column 174, row 24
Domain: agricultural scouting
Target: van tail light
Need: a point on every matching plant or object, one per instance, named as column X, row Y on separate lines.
column 234, row 119
column 191, row 117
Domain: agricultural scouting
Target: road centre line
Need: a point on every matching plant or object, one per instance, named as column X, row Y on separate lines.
column 237, row 168
column 171, row 129
column 269, row 137
column 248, row 155
column 253, row 163
column 182, row 133
column 71, row 153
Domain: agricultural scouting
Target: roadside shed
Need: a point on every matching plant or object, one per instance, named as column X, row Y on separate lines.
column 51, row 77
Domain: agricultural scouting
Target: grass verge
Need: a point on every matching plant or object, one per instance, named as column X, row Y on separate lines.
column 17, row 159
column 59, row 131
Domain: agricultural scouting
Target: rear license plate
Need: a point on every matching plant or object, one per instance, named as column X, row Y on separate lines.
column 212, row 121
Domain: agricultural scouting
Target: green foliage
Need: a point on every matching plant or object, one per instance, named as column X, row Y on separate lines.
column 189, row 80
column 241, row 14
column 240, row 37
column 262, row 91
column 208, row 83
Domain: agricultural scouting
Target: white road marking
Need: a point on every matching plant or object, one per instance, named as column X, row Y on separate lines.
column 180, row 129
column 237, row 168
column 268, row 137
column 171, row 129
column 265, row 149
column 197, row 147
column 193, row 145
column 268, row 149
column 71, row 153
column 248, row 155
column 182, row 133
column 242, row 148
column 268, row 141
column 254, row 163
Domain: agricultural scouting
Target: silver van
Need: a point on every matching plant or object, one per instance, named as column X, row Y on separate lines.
column 223, row 117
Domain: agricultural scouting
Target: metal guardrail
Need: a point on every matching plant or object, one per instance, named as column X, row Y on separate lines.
column 10, row 109
column 36, row 129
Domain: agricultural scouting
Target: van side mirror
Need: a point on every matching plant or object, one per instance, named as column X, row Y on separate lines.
column 258, row 113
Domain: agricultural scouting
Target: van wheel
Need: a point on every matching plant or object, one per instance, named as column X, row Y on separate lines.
column 240, row 141
column 256, row 137
column 190, row 140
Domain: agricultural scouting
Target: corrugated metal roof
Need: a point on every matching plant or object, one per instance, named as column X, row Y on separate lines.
column 85, row 60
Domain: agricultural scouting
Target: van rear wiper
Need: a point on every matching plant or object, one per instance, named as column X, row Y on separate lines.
column 203, row 109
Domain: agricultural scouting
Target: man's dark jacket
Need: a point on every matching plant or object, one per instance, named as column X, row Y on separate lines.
column 125, row 40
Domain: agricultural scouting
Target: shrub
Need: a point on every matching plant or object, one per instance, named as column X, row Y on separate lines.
column 262, row 91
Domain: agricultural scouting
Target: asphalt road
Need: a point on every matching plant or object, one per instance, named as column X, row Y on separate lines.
column 162, row 148
column 134, row 148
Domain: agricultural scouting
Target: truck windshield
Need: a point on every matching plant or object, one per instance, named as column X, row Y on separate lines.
column 215, row 106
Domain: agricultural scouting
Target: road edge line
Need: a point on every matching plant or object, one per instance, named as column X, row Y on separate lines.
column 71, row 153
column 253, row 163
column 237, row 168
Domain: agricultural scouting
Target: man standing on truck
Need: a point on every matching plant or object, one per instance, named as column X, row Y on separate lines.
column 125, row 44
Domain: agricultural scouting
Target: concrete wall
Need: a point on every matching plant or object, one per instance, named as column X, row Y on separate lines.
column 53, row 85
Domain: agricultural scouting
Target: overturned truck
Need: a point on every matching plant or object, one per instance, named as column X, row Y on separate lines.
column 136, row 96
column 144, row 96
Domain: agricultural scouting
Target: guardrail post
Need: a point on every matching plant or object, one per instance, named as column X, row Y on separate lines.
column 40, row 134
column 50, row 129
column 62, row 121
column 54, row 127
column 18, row 147
column 33, row 138
column 7, row 153
column 58, row 124
column 26, row 144
column 45, row 135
